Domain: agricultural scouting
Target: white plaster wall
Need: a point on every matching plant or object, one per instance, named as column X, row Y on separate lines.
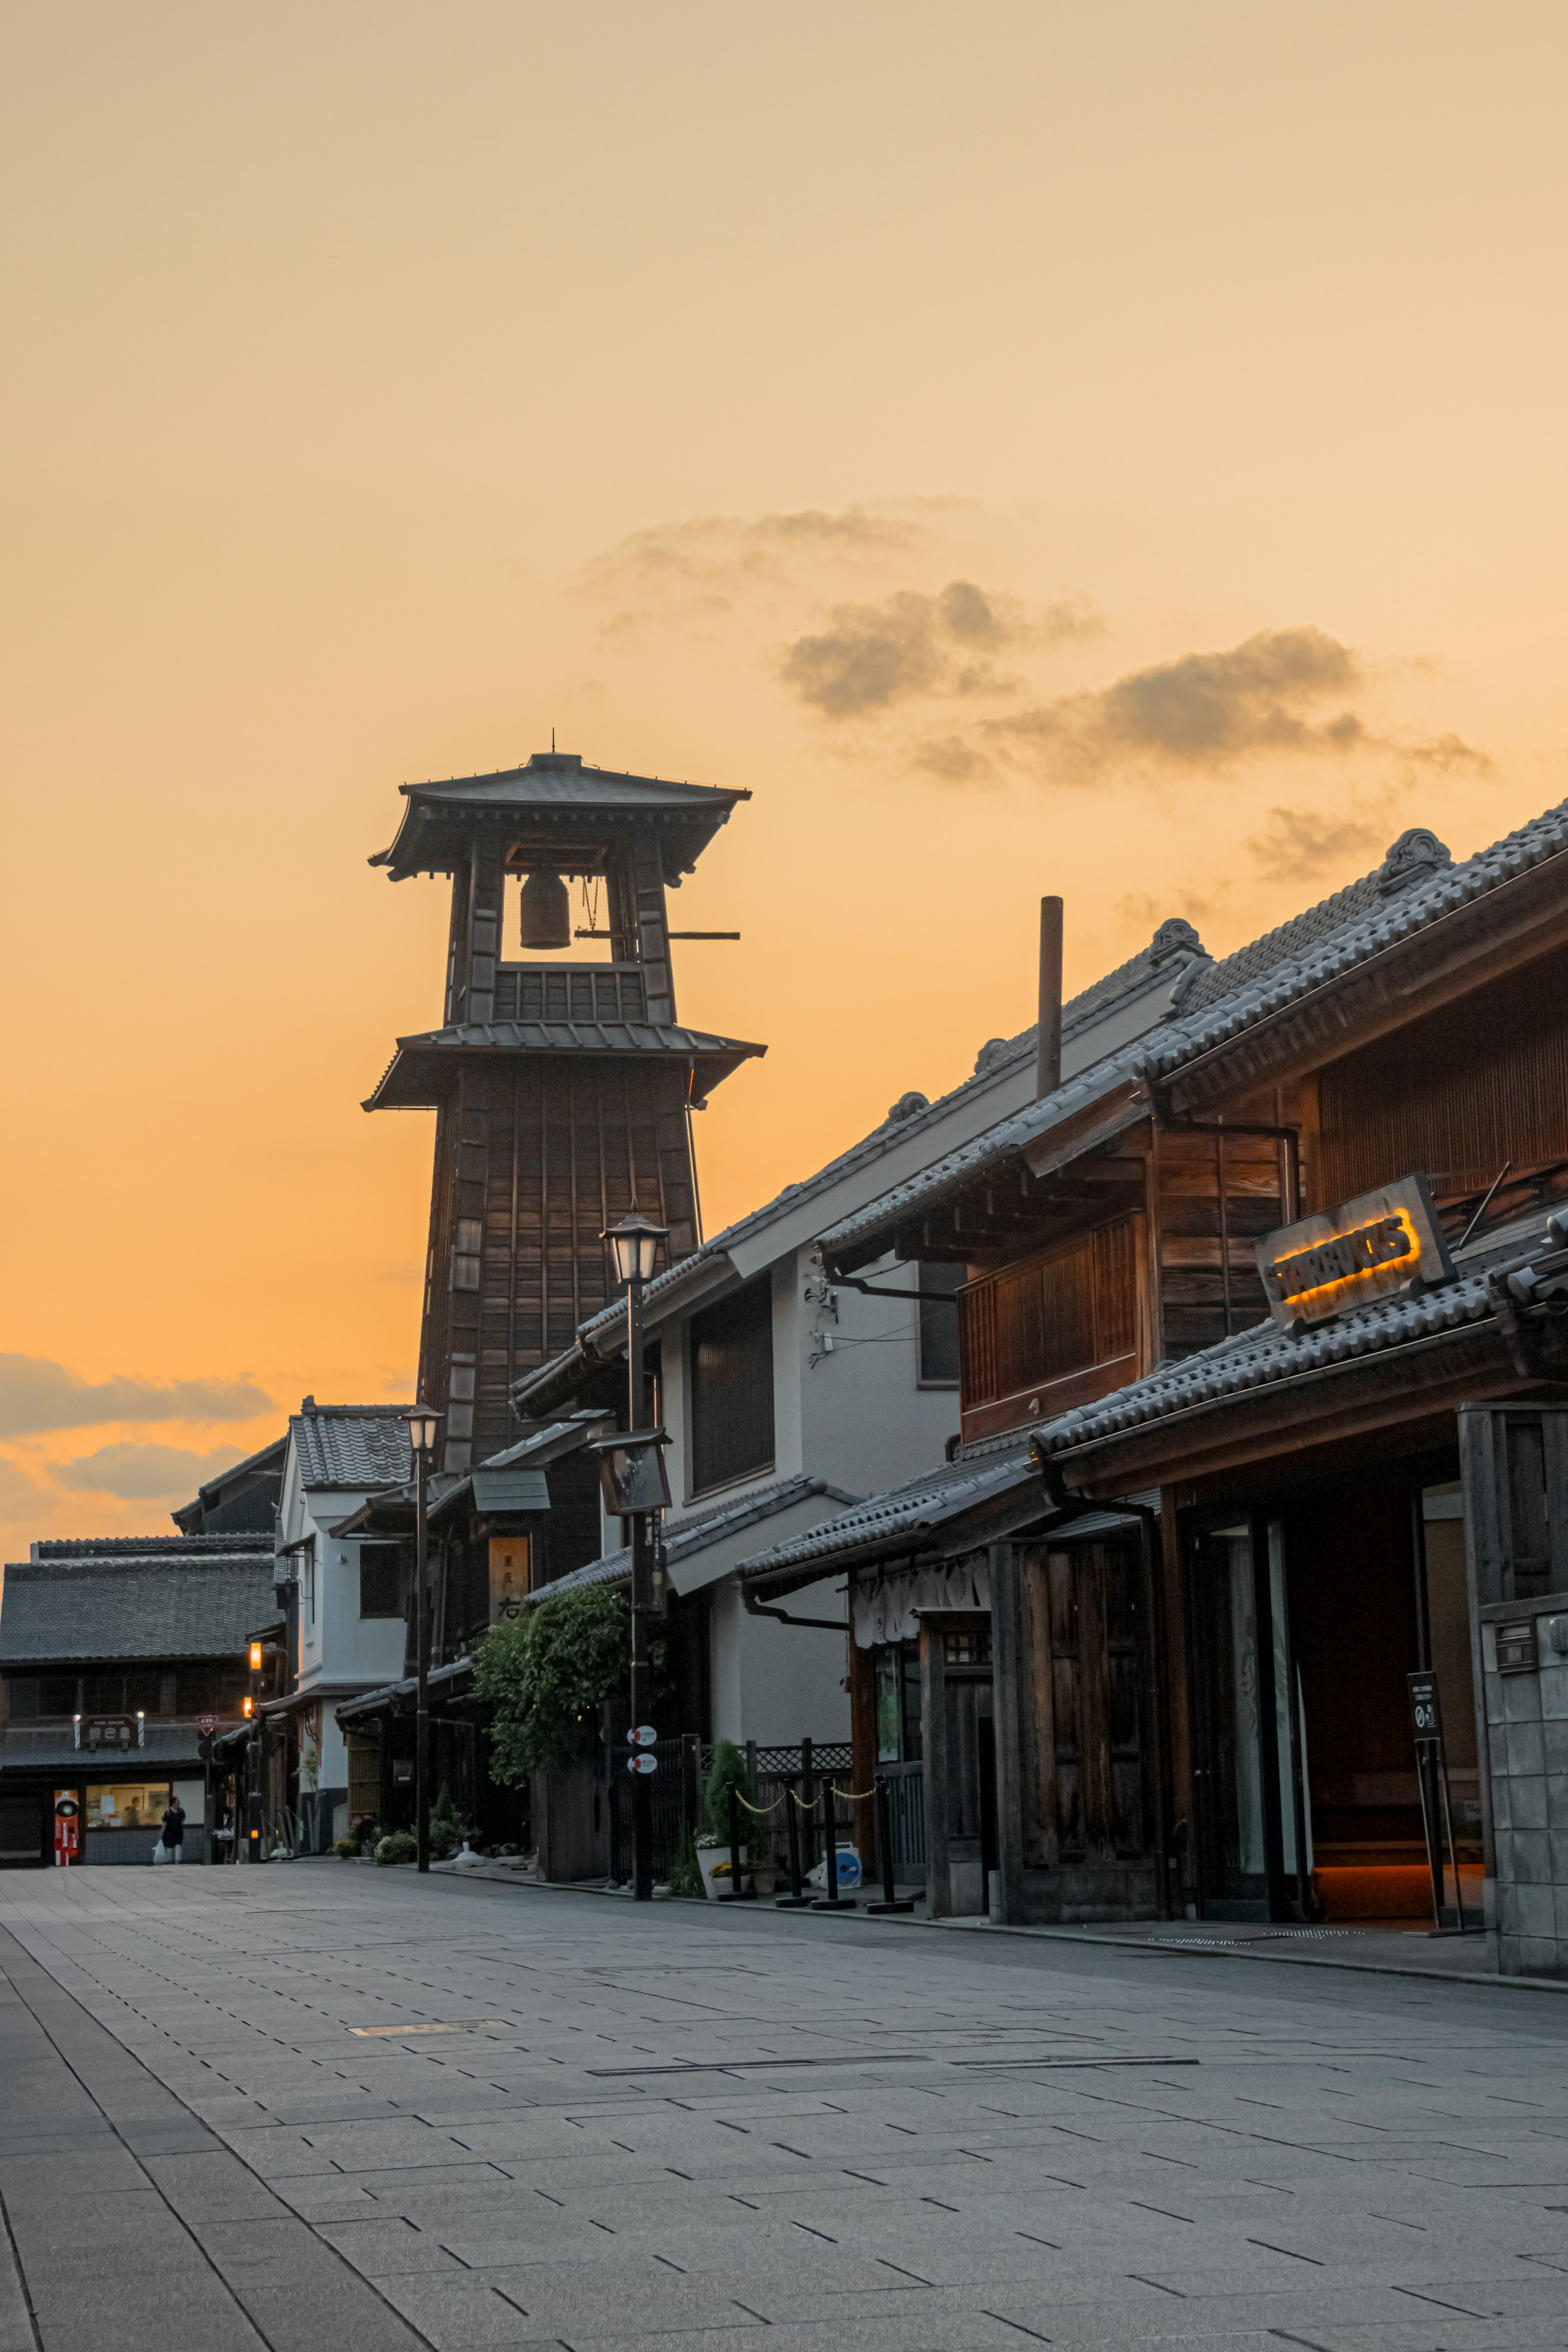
column 778, row 1683
column 866, row 1422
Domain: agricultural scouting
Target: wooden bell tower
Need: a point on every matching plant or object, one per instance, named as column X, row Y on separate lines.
column 561, row 1089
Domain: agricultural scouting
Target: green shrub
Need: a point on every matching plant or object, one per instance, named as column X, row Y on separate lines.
column 447, row 1828
column 365, row 1836
column 401, row 1846
column 345, row 1848
column 685, row 1871
column 544, row 1673
column 727, row 1770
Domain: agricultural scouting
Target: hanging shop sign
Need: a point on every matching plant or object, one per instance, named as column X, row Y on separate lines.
column 1364, row 1250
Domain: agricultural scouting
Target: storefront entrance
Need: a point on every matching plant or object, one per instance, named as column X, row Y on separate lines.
column 1309, row 1613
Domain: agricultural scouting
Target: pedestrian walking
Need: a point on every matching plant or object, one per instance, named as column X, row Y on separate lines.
column 174, row 1828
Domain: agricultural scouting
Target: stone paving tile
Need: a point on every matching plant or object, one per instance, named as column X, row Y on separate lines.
column 1385, row 2141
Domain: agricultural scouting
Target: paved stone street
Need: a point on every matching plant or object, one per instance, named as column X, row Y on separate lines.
column 331, row 2106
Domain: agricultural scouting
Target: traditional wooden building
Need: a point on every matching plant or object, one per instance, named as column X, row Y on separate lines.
column 1220, row 1492
column 114, row 1651
column 562, row 1083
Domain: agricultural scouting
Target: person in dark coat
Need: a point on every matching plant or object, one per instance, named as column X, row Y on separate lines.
column 175, row 1827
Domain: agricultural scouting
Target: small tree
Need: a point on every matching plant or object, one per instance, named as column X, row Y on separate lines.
column 727, row 1770
column 544, row 1673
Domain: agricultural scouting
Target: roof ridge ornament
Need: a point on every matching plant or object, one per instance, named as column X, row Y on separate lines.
column 1177, row 936
column 1416, row 854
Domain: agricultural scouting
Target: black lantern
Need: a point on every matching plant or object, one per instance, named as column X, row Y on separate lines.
column 632, row 1473
column 424, row 1427
column 635, row 1246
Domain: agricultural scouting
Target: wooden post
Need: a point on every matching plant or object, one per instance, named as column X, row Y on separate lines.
column 1048, row 1049
column 1009, row 1701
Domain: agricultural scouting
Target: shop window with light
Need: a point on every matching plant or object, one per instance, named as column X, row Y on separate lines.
column 732, row 1387
column 939, row 1326
column 128, row 1805
column 897, row 1672
column 380, row 1579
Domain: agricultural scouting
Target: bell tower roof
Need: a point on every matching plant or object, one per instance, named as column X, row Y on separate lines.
column 556, row 809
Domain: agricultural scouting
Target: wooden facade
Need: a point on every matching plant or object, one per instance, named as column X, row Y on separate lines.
column 562, row 1089
column 1205, row 1708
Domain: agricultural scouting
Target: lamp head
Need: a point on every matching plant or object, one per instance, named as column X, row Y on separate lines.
column 256, row 1657
column 424, row 1427
column 634, row 1244
column 632, row 1472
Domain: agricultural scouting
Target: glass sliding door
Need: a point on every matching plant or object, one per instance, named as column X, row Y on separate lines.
column 1247, row 1812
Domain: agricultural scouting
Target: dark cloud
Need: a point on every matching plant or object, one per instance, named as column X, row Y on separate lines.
column 36, row 1395
column 140, row 1473
column 872, row 656
column 1206, row 711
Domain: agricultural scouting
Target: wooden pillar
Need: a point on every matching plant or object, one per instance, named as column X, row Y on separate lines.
column 1180, row 1786
column 863, row 1767
column 1009, row 1708
column 938, row 1765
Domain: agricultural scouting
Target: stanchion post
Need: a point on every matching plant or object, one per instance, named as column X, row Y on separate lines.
column 885, row 1839
column 830, row 1898
column 796, row 1899
column 734, row 1893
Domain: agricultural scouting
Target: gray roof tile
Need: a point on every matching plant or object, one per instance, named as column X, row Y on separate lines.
column 353, row 1446
column 696, row 1530
column 926, row 1502
column 1286, row 964
column 162, row 1597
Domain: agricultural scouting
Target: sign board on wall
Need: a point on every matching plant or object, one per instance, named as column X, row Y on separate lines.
column 510, row 1560
column 1363, row 1250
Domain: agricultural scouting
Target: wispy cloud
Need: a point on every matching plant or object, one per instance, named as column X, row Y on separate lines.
column 708, row 561
column 872, row 656
column 139, row 1471
column 36, row 1395
column 1304, row 843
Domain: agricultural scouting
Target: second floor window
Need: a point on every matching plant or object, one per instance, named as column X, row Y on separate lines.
column 732, row 1387
column 939, row 1326
column 380, row 1581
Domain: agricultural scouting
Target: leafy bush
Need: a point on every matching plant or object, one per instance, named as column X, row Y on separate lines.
column 345, row 1848
column 447, row 1828
column 401, row 1846
column 727, row 1770
column 685, row 1871
column 544, row 1673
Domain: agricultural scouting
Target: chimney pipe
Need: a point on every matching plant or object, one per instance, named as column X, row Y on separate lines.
column 1048, row 1059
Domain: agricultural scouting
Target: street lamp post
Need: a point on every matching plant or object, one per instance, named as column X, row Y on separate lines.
column 635, row 1244
column 424, row 1427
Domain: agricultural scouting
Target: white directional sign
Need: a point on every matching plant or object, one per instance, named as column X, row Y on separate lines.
column 642, row 1763
column 645, row 1735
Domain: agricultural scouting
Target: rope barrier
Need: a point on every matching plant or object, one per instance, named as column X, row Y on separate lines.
column 761, row 1808
column 853, row 1796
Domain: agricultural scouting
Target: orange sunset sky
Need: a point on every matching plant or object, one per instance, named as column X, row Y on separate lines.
column 1113, row 450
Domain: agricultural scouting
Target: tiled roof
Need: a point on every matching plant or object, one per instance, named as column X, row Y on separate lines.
column 1175, row 946
column 173, row 1597
column 355, row 1446
column 152, row 1547
column 1314, row 958
column 1265, row 1354
column 925, row 1502
column 1286, row 964
column 401, row 1082
column 563, row 779
column 697, row 1530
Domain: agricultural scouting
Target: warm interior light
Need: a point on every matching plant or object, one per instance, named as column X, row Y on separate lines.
column 256, row 1657
column 634, row 1244
column 248, row 1707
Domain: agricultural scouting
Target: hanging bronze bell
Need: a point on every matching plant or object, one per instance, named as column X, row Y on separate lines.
column 546, row 913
